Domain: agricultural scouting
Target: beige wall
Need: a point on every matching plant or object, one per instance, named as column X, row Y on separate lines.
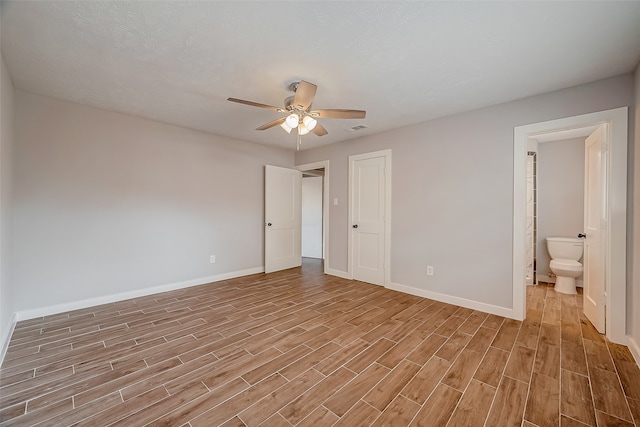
column 560, row 194
column 634, row 257
column 107, row 203
column 453, row 190
column 6, row 146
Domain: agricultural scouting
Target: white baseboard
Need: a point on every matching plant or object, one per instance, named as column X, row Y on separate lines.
column 474, row 305
column 462, row 302
column 545, row 278
column 106, row 299
column 339, row 273
column 4, row 344
column 635, row 350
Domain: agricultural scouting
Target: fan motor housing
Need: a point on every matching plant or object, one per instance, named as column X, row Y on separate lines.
column 288, row 104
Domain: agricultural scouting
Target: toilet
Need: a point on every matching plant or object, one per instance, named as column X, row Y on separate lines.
column 565, row 253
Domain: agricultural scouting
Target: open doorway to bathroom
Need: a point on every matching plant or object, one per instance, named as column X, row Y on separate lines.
column 613, row 204
column 560, row 176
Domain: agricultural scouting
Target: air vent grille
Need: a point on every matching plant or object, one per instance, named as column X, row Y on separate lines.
column 356, row 128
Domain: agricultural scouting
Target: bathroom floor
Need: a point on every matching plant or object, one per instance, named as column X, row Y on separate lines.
column 301, row 348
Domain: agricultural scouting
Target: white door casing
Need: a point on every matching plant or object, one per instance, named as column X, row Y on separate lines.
column 615, row 188
column 595, row 153
column 283, row 218
column 369, row 207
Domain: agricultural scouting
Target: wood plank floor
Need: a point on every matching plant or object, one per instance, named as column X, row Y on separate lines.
column 301, row 348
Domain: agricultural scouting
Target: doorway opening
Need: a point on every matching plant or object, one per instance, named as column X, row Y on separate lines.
column 315, row 211
column 613, row 202
column 558, row 178
column 312, row 229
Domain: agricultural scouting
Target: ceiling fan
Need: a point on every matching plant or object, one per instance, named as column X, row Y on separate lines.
column 300, row 115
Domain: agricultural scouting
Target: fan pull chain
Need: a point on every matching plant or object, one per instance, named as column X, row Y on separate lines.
column 299, row 142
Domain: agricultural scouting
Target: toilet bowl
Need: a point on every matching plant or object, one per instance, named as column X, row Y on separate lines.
column 566, row 271
column 565, row 253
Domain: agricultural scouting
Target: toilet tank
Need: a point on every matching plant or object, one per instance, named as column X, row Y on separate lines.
column 565, row 247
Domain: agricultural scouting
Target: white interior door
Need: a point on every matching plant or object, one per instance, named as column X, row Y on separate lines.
column 594, row 218
column 283, row 218
column 368, row 209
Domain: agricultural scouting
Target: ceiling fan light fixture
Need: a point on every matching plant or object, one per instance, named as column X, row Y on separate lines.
column 302, row 129
column 309, row 122
column 286, row 127
column 293, row 120
column 299, row 113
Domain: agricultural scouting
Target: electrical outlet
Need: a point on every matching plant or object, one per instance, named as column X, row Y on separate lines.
column 429, row 270
column 212, row 259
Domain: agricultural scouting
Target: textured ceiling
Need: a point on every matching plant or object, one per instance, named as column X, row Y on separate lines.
column 403, row 62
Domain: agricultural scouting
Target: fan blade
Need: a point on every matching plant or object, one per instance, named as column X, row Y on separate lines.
column 304, row 95
column 319, row 130
column 339, row 114
column 254, row 104
column 273, row 123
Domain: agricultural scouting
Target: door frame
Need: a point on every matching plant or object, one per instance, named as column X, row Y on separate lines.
column 387, row 212
column 615, row 193
column 325, row 206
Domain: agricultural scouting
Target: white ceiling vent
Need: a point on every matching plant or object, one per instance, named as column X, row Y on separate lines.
column 356, row 128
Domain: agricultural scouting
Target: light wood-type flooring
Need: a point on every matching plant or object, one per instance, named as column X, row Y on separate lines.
column 301, row 348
